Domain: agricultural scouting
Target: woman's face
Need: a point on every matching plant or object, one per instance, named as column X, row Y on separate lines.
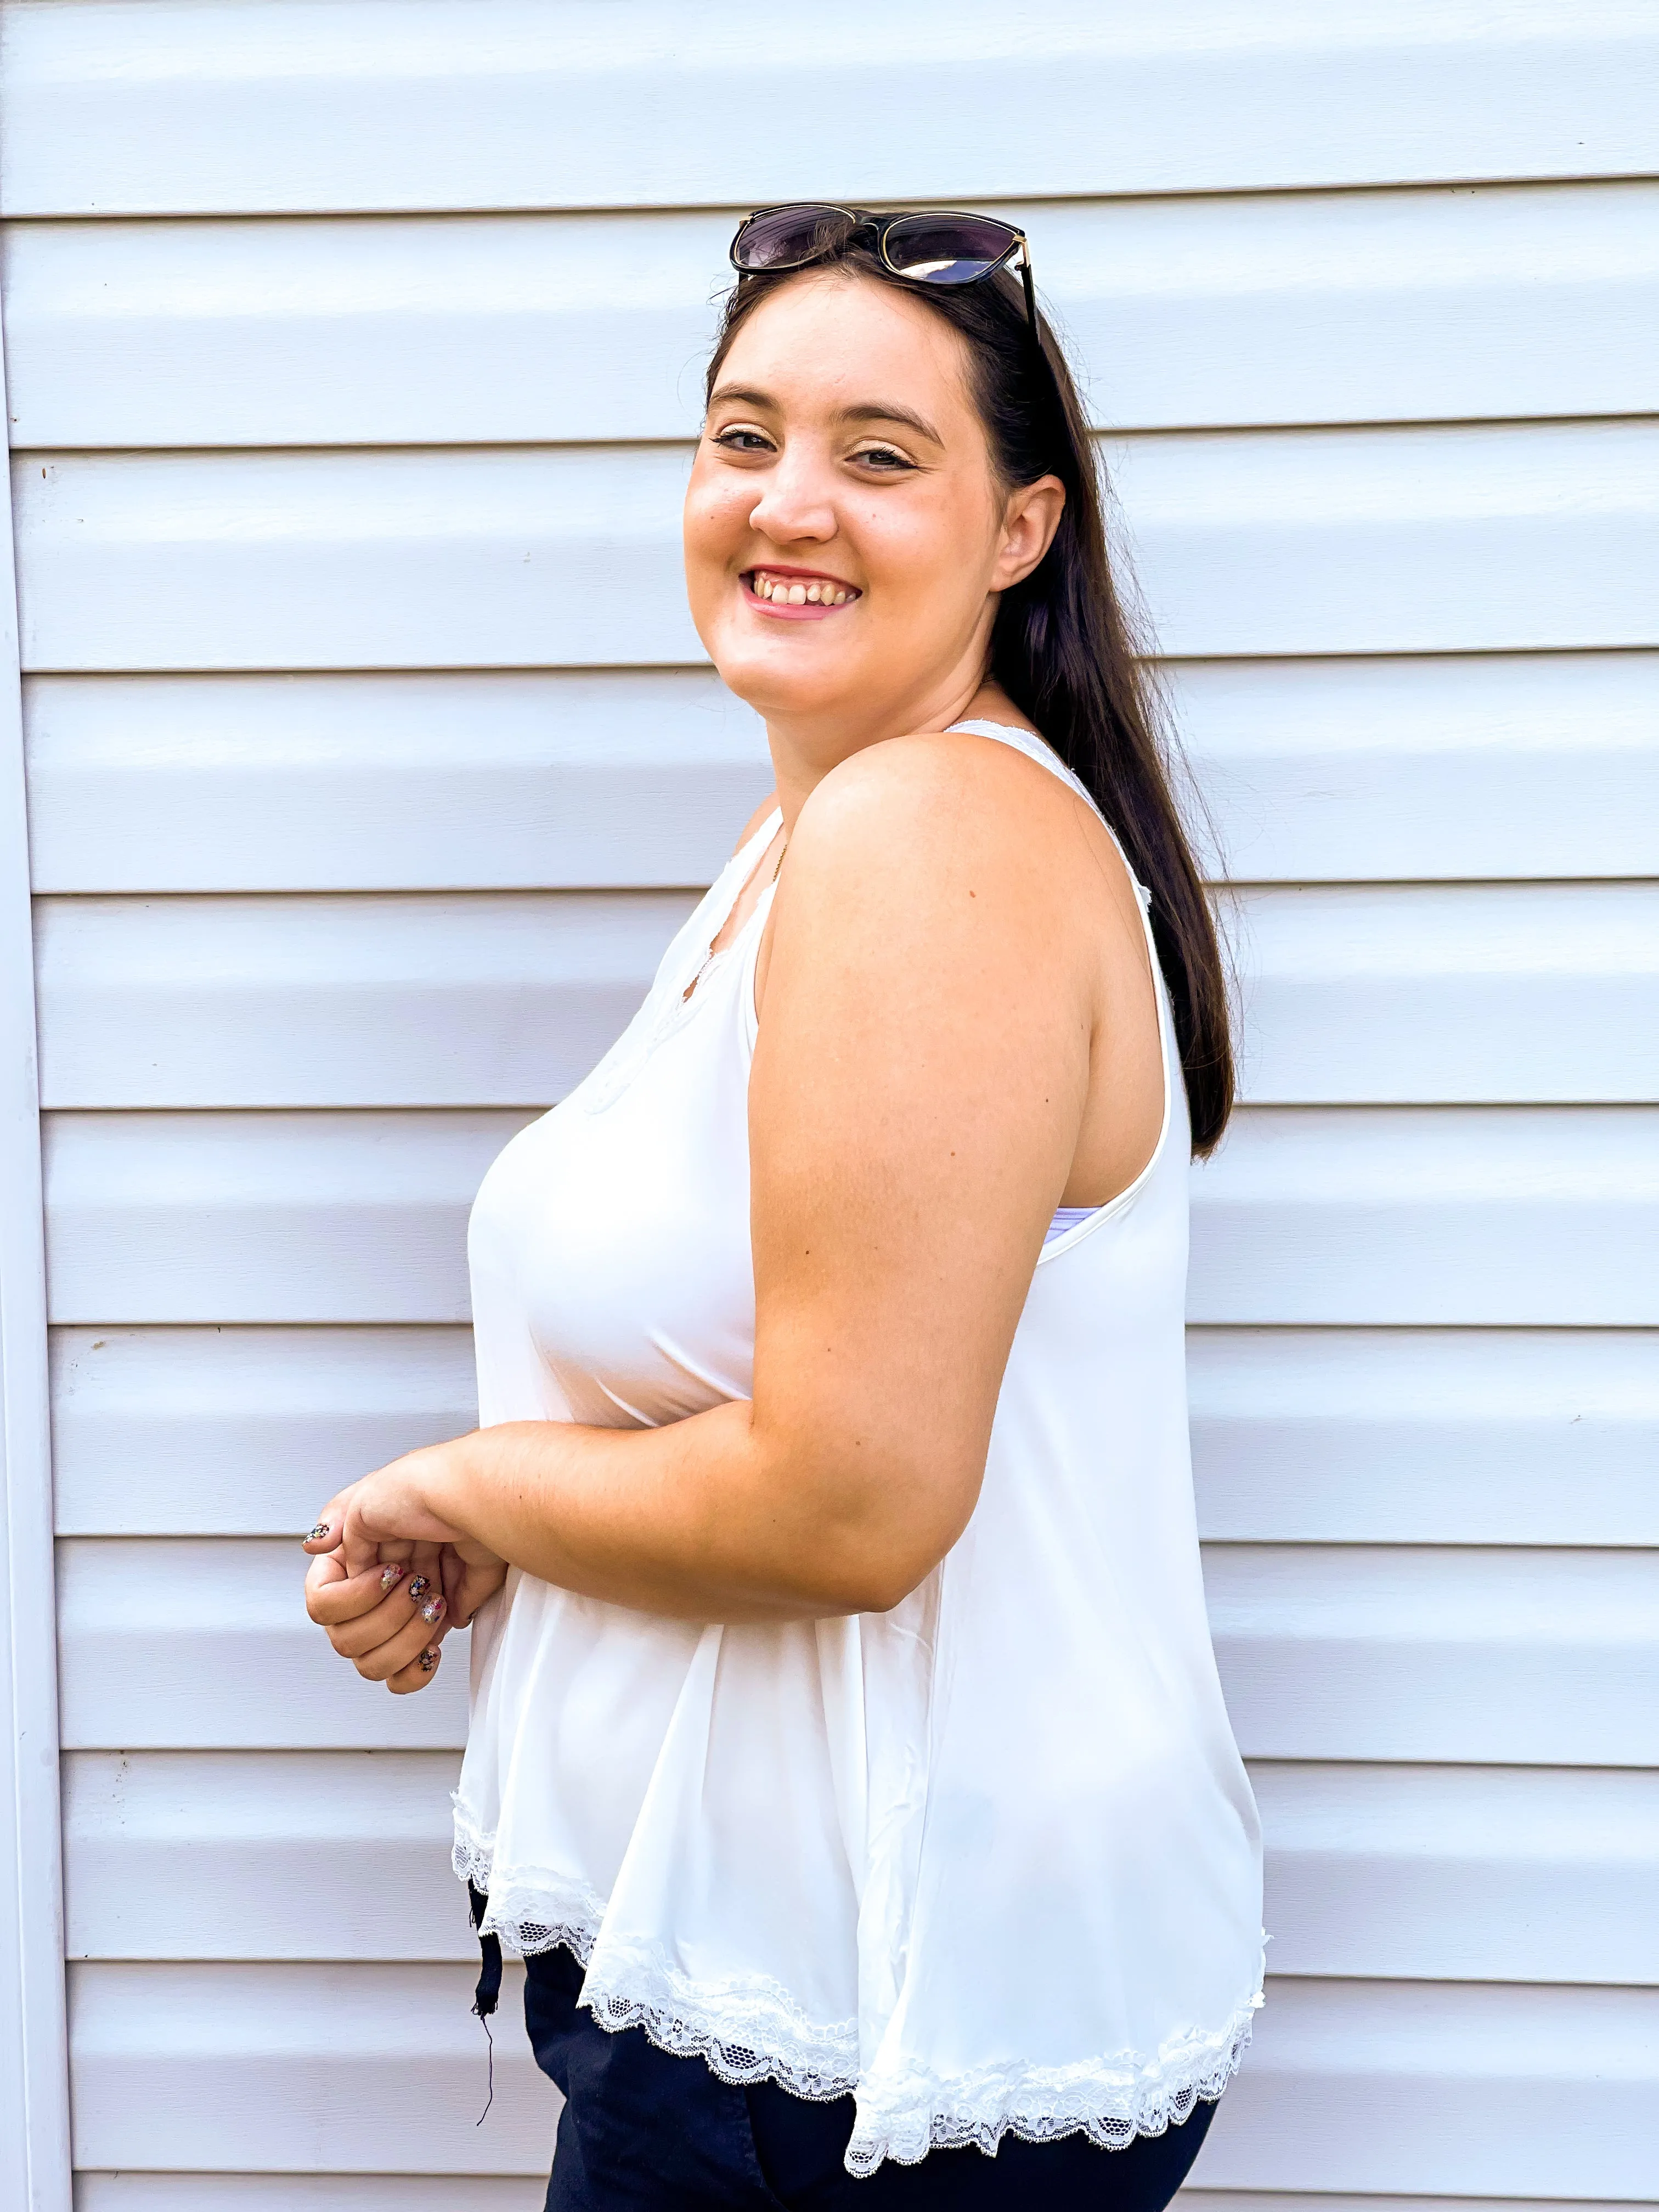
column 845, row 535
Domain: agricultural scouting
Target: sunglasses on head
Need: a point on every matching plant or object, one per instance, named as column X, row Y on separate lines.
column 938, row 245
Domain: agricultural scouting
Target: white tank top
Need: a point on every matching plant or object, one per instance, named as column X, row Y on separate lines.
column 990, row 1860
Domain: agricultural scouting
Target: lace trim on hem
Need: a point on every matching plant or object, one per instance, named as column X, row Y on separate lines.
column 1111, row 2099
column 532, row 1909
column 751, row 2030
column 746, row 2029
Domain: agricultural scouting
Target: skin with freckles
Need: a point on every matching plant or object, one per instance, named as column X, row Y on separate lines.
column 958, row 1032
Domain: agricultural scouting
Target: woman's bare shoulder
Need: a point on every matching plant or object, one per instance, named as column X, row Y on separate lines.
column 768, row 806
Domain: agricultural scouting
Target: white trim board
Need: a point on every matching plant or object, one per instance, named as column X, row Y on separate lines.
column 34, row 2127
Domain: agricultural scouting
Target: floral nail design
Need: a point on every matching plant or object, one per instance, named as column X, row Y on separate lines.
column 389, row 1579
column 432, row 1611
column 418, row 1588
column 321, row 1530
column 429, row 1658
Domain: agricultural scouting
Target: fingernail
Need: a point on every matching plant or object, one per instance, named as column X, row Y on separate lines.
column 429, row 1658
column 418, row 1588
column 321, row 1530
column 432, row 1611
column 390, row 1579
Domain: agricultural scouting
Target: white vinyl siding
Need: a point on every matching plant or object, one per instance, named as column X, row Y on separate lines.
column 354, row 349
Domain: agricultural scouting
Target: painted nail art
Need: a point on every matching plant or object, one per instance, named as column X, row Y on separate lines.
column 429, row 1658
column 432, row 1611
column 389, row 1579
column 418, row 1588
column 321, row 1530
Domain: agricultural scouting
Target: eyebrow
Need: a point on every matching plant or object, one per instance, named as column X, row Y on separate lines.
column 866, row 411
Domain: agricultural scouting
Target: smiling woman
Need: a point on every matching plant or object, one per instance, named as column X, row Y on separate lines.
column 848, row 1756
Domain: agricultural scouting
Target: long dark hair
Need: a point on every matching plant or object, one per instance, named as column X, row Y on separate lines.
column 1062, row 647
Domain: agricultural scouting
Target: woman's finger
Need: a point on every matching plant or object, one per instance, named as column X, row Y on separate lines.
column 406, row 1595
column 330, row 1523
column 333, row 1596
column 420, row 1669
column 403, row 1649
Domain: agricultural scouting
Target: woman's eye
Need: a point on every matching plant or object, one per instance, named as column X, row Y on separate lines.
column 881, row 456
column 739, row 440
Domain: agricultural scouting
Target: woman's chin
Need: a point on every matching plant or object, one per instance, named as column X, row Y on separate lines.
column 780, row 683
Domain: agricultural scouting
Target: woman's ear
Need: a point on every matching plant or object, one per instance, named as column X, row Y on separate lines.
column 1029, row 523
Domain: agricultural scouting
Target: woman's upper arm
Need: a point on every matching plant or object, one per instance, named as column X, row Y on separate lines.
column 918, row 1084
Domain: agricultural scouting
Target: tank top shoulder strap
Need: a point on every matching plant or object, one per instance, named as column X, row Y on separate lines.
column 1036, row 748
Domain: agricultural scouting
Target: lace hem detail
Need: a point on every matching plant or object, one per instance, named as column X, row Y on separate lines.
column 745, row 2029
column 530, row 1908
column 749, row 2029
column 1111, row 2099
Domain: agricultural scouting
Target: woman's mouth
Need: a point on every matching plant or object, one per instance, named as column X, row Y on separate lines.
column 796, row 592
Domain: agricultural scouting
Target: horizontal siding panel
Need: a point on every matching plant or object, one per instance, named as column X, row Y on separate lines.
column 240, row 1431
column 1514, row 992
column 1325, row 1652
column 1305, row 308
column 1412, row 1653
column 1276, row 543
column 274, row 2065
column 1534, row 765
column 492, row 999
column 1479, row 767
column 1423, row 1437
column 226, row 1855
column 197, row 1643
column 1460, row 1216
column 1478, row 1874
column 233, row 107
column 1509, row 994
column 624, row 780
column 1478, row 2090
column 223, row 1218
column 1382, row 1436
column 1513, row 1217
column 313, row 2192
column 301, row 2068
column 1519, row 1875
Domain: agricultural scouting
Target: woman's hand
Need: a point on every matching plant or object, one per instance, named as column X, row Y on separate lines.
column 391, row 1576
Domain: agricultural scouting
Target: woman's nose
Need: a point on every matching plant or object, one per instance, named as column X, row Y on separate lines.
column 795, row 505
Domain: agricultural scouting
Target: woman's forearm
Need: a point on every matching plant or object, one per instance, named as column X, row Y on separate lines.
column 703, row 1519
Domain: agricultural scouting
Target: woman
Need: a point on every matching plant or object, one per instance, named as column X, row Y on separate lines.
column 848, row 1758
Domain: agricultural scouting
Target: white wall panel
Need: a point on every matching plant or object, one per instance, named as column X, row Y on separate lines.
column 275, row 1855
column 264, row 1218
column 1331, row 541
column 233, row 107
column 1403, row 1652
column 502, row 999
column 1305, row 308
column 628, row 780
column 1516, row 1217
column 1516, row 994
column 1508, row 1217
column 1494, row 1874
column 1379, row 2085
column 1530, row 765
column 308, row 2192
column 1425, row 1436
column 1498, row 993
column 301, row 2068
column 1518, row 1873
column 1482, row 767
column 240, row 1431
column 1327, row 1652
column 186, row 1644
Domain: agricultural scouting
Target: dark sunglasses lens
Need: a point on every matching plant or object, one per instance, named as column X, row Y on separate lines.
column 947, row 249
column 786, row 237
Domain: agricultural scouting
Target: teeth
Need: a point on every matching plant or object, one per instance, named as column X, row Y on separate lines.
column 798, row 595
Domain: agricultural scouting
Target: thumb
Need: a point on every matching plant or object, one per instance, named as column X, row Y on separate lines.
column 329, row 1525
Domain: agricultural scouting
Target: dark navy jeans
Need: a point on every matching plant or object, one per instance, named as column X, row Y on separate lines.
column 645, row 2131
